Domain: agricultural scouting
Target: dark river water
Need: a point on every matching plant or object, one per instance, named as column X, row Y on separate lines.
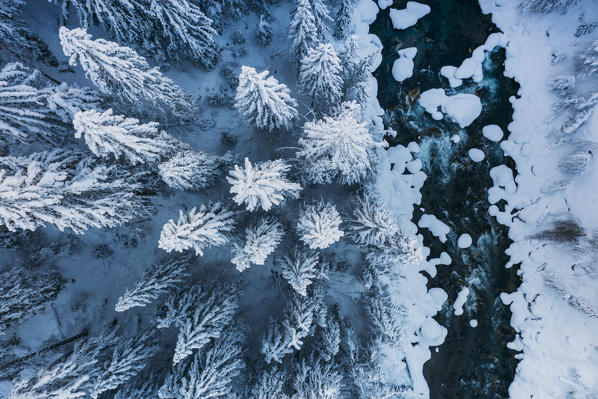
column 472, row 362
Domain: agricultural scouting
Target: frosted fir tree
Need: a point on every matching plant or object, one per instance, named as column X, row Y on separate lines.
column 108, row 135
column 319, row 225
column 343, row 23
column 68, row 378
column 121, row 72
column 372, row 223
column 129, row 358
column 284, row 337
column 321, row 16
column 385, row 316
column 264, row 32
column 328, row 339
column 357, row 71
column 399, row 250
column 202, row 228
column 186, row 29
column 144, row 390
column 300, row 269
column 303, row 30
column 211, row 372
column 261, row 239
column 190, row 170
column 320, row 75
column 269, row 385
column 338, row 147
column 315, row 379
column 66, row 101
column 263, row 101
column 215, row 308
column 69, row 190
column 23, row 293
column 24, row 112
column 263, row 185
column 546, row 5
column 160, row 279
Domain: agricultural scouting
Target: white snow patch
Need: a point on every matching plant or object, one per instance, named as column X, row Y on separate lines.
column 461, row 108
column 384, row 3
column 460, row 301
column 403, row 19
column 473, row 323
column 464, row 241
column 493, row 133
column 402, row 68
column 476, row 155
column 436, row 227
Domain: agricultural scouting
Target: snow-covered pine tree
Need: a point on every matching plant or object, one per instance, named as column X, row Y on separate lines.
column 264, row 32
column 128, row 359
column 320, row 75
column 185, row 28
column 372, row 223
column 269, row 385
column 190, row 170
column 357, row 71
column 261, row 239
column 264, row 184
column 315, row 379
column 210, row 374
column 284, row 337
column 24, row 293
column 65, row 101
column 385, row 316
column 69, row 190
column 299, row 269
column 546, row 5
column 264, row 101
column 322, row 18
column 67, row 378
column 161, row 278
column 303, row 30
column 214, row 310
column 398, row 250
column 24, row 112
column 108, row 135
column 202, row 228
column 319, row 225
column 344, row 21
column 338, row 147
column 121, row 72
column 145, row 389
column 328, row 339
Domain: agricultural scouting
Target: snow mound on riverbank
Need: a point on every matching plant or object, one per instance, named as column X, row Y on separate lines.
column 402, row 68
column 549, row 206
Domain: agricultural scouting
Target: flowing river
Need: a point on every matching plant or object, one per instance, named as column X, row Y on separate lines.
column 472, row 362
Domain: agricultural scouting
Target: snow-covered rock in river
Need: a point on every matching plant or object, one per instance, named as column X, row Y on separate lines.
column 492, row 133
column 476, row 155
column 464, row 241
column 461, row 108
column 460, row 301
column 402, row 68
column 403, row 19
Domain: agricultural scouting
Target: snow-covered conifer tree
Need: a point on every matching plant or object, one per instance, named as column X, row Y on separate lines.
column 317, row 380
column 319, row 225
column 66, row 189
column 128, row 359
column 145, row 389
column 357, row 71
column 300, row 269
column 398, row 250
column 338, row 147
column 344, row 21
column 303, row 30
column 24, row 293
column 321, row 16
column 24, row 112
column 264, row 101
column 269, row 385
column 284, row 337
column 320, row 75
column 329, row 339
column 161, row 278
column 264, row 32
column 372, row 222
column 261, row 239
column 264, row 184
column 210, row 374
column 215, row 308
column 189, row 170
column 385, row 316
column 121, row 72
column 107, row 135
column 186, row 29
column 65, row 101
column 546, row 5
column 200, row 229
